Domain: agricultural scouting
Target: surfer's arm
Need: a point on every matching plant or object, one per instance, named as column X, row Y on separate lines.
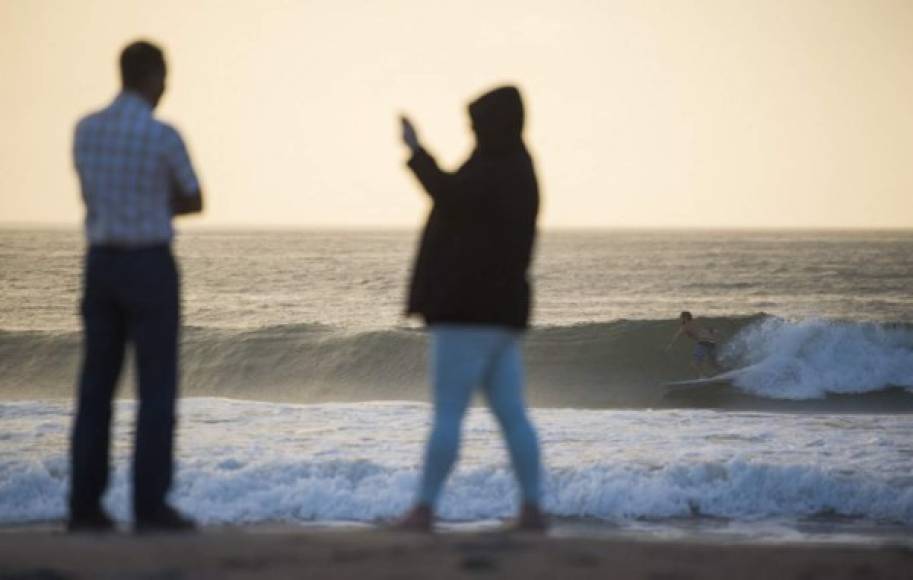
column 678, row 333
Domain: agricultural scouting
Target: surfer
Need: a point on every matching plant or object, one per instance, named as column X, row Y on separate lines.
column 705, row 341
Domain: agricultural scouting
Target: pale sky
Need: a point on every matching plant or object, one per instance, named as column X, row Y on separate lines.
column 665, row 113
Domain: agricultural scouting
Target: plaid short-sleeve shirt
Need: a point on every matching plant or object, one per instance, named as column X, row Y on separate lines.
column 129, row 164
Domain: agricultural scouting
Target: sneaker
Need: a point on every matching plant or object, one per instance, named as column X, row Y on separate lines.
column 418, row 519
column 93, row 522
column 531, row 519
column 165, row 519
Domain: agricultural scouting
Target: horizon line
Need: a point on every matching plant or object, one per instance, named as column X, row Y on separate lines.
column 241, row 227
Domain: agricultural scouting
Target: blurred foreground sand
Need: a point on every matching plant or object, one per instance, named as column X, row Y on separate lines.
column 365, row 555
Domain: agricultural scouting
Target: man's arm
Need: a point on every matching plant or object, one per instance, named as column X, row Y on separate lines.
column 186, row 193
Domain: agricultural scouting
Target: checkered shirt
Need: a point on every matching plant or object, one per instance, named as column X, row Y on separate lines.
column 129, row 164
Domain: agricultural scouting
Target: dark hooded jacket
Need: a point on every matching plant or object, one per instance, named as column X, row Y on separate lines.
column 477, row 244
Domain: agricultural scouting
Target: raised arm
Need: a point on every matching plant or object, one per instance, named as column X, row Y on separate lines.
column 434, row 180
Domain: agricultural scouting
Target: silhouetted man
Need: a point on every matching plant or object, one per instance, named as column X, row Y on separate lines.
column 135, row 174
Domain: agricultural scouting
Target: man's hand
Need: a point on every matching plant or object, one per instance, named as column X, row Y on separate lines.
column 410, row 137
column 186, row 204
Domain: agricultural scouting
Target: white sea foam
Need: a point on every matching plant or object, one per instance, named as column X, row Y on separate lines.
column 813, row 358
column 252, row 462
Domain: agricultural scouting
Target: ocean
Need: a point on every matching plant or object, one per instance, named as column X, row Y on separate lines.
column 305, row 395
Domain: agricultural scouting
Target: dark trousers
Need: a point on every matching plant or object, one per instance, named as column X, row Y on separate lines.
column 130, row 295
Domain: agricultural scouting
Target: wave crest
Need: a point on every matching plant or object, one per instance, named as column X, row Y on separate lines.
column 599, row 365
column 812, row 359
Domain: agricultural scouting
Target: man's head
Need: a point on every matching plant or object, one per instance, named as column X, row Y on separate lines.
column 685, row 316
column 142, row 70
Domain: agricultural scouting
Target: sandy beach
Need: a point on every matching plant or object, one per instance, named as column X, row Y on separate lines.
column 285, row 553
column 635, row 274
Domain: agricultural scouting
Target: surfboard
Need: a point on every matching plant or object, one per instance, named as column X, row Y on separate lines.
column 718, row 380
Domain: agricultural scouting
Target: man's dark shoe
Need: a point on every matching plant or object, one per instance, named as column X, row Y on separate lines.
column 166, row 519
column 92, row 522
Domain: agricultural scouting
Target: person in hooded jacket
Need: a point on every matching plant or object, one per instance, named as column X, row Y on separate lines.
column 470, row 285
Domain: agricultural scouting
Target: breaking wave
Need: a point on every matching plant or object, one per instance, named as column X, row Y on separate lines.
column 243, row 462
column 598, row 365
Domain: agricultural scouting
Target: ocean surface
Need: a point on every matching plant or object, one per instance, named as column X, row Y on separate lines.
column 305, row 398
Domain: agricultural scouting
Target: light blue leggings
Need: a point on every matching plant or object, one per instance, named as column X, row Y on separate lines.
column 464, row 357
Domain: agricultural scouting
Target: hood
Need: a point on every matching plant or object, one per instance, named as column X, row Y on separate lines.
column 497, row 120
